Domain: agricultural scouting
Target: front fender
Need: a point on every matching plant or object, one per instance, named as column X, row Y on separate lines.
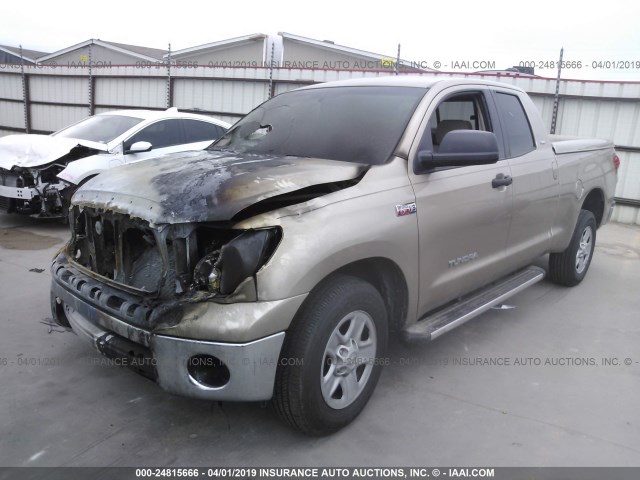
column 79, row 170
column 330, row 232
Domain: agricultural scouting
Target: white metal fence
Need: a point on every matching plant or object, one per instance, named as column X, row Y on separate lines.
column 42, row 99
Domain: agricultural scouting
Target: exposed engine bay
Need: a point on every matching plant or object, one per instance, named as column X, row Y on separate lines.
column 36, row 190
column 166, row 266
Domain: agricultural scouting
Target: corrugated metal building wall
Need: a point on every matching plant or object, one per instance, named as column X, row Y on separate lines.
column 58, row 96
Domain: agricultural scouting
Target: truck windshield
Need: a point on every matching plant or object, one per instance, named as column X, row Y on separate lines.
column 101, row 128
column 352, row 124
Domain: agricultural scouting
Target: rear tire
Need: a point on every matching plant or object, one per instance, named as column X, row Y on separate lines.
column 570, row 267
column 332, row 356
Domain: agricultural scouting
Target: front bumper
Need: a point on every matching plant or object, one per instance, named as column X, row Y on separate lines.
column 25, row 193
column 44, row 201
column 166, row 359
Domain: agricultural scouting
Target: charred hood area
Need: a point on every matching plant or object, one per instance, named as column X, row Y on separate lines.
column 213, row 186
column 185, row 250
column 152, row 238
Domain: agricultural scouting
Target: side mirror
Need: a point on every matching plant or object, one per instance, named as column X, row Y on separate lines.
column 460, row 148
column 140, row 147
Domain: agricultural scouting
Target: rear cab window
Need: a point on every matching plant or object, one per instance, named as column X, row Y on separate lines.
column 517, row 130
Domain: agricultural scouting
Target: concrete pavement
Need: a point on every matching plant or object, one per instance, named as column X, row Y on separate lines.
column 542, row 384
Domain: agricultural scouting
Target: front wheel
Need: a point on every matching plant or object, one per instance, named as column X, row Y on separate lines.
column 570, row 267
column 332, row 356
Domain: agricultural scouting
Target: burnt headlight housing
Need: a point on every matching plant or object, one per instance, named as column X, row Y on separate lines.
column 221, row 271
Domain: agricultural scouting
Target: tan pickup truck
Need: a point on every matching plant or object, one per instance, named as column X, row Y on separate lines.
column 274, row 264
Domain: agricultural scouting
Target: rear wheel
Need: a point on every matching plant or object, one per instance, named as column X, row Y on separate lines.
column 332, row 356
column 570, row 267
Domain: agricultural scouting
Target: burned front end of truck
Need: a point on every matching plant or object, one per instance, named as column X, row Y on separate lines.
column 160, row 275
column 121, row 282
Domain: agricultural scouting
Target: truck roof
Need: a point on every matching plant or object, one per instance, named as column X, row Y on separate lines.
column 411, row 81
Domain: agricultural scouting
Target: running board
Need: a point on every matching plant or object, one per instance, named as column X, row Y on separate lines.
column 472, row 305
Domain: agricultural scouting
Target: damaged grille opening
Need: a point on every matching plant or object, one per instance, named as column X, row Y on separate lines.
column 119, row 249
column 173, row 262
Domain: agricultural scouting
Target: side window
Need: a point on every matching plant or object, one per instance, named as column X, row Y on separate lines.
column 198, row 131
column 165, row 133
column 465, row 111
column 516, row 125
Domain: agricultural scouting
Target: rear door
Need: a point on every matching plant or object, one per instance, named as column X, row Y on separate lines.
column 463, row 221
column 200, row 134
column 535, row 178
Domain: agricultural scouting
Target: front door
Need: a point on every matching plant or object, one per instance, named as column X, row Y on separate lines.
column 165, row 136
column 463, row 220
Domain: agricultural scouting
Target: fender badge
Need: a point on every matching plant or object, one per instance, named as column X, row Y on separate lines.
column 406, row 209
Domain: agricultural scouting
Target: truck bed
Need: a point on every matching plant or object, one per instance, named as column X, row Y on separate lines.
column 563, row 144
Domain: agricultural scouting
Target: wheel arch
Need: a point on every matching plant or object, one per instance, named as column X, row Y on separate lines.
column 79, row 170
column 594, row 203
column 386, row 277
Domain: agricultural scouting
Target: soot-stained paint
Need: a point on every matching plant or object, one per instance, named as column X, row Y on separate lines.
column 208, row 186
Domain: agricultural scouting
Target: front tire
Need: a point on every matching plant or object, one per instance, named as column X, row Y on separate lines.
column 332, row 356
column 570, row 267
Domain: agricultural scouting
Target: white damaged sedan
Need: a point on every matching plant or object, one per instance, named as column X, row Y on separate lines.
column 39, row 173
